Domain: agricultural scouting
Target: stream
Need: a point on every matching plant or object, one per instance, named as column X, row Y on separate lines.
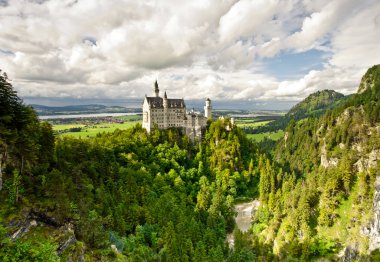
column 245, row 212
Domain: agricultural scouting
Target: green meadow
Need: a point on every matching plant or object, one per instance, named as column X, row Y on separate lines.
column 251, row 123
column 91, row 130
column 270, row 135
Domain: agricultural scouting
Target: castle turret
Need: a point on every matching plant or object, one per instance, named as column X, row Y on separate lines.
column 166, row 111
column 156, row 90
column 165, row 100
column 208, row 108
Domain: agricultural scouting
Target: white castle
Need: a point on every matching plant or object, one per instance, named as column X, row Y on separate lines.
column 166, row 113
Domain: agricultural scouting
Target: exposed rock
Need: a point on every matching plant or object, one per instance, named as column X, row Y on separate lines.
column 347, row 113
column 23, row 229
column 65, row 237
column 325, row 162
column 64, row 245
column 364, row 164
column 114, row 249
column 349, row 254
column 373, row 231
column 286, row 137
column 358, row 147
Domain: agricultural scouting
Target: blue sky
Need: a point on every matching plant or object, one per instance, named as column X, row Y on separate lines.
column 251, row 50
column 292, row 66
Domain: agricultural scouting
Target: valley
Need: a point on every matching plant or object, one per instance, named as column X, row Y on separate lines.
column 105, row 189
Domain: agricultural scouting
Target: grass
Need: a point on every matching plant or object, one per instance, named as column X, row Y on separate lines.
column 271, row 135
column 92, row 130
column 251, row 123
column 66, row 126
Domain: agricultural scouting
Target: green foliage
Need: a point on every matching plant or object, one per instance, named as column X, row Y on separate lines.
column 29, row 251
column 26, row 145
column 161, row 196
column 313, row 199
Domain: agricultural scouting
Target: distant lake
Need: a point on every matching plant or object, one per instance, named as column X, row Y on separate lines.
column 86, row 115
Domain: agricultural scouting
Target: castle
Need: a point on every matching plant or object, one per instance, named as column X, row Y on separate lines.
column 167, row 113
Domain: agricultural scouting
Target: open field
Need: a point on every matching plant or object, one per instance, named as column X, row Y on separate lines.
column 91, row 130
column 86, row 128
column 251, row 123
column 271, row 135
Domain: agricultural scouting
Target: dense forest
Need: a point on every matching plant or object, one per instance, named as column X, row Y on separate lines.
column 134, row 196
column 316, row 196
column 151, row 197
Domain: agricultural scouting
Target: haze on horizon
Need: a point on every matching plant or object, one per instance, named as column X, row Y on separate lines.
column 252, row 50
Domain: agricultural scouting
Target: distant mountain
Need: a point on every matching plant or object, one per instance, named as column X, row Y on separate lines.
column 81, row 109
column 315, row 104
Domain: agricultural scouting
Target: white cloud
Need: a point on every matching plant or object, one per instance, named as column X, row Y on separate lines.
column 200, row 48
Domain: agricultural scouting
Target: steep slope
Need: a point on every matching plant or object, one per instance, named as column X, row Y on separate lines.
column 315, row 104
column 318, row 199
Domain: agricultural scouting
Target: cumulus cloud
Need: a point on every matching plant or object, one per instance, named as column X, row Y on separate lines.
column 197, row 49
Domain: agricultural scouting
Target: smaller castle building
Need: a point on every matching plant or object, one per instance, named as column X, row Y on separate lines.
column 164, row 113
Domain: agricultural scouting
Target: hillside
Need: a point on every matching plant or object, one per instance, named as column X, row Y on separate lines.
column 317, row 199
column 133, row 196
column 315, row 105
column 120, row 196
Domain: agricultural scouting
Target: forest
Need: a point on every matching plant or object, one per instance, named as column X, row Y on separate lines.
column 133, row 196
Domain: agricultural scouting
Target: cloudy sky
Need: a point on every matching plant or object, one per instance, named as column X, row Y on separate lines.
column 262, row 50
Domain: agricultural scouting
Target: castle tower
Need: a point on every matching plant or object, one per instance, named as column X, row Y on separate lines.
column 208, row 108
column 166, row 111
column 156, row 90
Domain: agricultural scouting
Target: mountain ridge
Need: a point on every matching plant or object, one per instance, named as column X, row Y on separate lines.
column 315, row 104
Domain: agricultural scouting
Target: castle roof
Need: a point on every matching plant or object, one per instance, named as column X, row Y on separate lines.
column 158, row 102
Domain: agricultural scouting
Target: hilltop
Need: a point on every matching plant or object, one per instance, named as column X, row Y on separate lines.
column 315, row 105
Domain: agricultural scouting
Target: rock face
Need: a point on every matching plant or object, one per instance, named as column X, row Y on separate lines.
column 63, row 235
column 325, row 162
column 373, row 231
column 25, row 228
column 349, row 254
column 364, row 164
column 369, row 79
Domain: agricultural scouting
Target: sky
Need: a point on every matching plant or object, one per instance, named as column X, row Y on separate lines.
column 266, row 51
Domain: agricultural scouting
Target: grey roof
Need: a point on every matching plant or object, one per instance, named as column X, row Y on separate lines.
column 158, row 102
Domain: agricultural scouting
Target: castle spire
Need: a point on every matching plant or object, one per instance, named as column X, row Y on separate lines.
column 208, row 108
column 165, row 96
column 156, row 90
